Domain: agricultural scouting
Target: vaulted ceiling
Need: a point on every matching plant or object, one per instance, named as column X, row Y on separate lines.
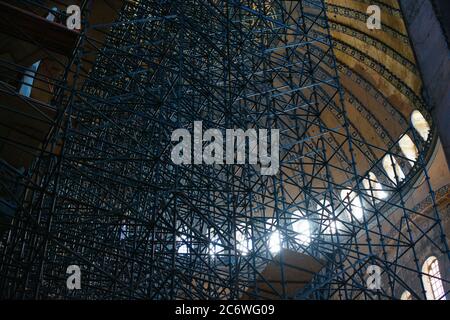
column 379, row 76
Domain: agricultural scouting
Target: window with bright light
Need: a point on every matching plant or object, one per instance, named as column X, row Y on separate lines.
column 302, row 228
column 182, row 241
column 243, row 239
column 183, row 248
column 215, row 245
column 329, row 225
column 373, row 187
column 393, row 169
column 275, row 242
column 420, row 124
column 123, row 232
column 409, row 149
column 352, row 204
column 432, row 280
column 275, row 237
column 30, row 74
column 406, row 295
column 28, row 79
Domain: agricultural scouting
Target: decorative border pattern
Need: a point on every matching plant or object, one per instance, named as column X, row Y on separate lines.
column 440, row 194
column 377, row 44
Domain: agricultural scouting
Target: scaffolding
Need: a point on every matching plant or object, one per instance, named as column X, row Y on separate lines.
column 103, row 192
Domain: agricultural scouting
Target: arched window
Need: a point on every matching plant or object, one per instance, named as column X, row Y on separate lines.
column 302, row 228
column 373, row 187
column 275, row 238
column 182, row 241
column 352, row 204
column 420, row 124
column 182, row 244
column 243, row 239
column 393, row 169
column 329, row 225
column 406, row 295
column 431, row 277
column 408, row 148
column 30, row 74
column 123, row 231
column 28, row 79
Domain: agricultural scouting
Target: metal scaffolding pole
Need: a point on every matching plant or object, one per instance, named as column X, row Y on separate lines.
column 104, row 194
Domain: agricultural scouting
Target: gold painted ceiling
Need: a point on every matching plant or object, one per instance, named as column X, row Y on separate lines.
column 378, row 74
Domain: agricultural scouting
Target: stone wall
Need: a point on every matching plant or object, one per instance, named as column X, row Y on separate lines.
column 433, row 57
column 431, row 245
column 442, row 9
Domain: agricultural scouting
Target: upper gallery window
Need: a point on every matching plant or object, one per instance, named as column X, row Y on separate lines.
column 420, row 124
column 352, row 203
column 393, row 169
column 408, row 148
column 432, row 279
column 373, row 187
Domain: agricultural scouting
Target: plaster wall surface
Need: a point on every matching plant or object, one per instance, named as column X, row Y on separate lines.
column 433, row 56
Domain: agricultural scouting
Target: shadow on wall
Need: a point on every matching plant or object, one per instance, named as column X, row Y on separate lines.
column 442, row 9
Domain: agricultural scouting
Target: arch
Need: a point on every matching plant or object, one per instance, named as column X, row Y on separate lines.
column 421, row 125
column 392, row 169
column 408, row 148
column 431, row 278
column 353, row 204
column 28, row 79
